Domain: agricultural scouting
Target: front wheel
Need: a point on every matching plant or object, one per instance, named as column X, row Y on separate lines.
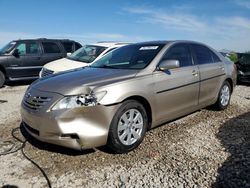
column 224, row 96
column 128, row 127
column 2, row 79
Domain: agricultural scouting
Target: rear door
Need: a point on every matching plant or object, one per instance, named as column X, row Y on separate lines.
column 28, row 63
column 212, row 73
column 51, row 51
column 177, row 89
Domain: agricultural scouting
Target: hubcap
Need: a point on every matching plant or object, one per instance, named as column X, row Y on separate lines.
column 130, row 127
column 225, row 95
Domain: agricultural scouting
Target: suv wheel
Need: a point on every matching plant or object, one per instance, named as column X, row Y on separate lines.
column 128, row 127
column 224, row 96
column 2, row 79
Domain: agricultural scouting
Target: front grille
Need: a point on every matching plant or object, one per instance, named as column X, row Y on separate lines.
column 46, row 72
column 35, row 102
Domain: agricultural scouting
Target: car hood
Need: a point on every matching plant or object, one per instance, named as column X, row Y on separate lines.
column 82, row 81
column 64, row 64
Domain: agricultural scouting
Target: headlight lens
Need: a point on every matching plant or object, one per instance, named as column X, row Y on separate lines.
column 79, row 100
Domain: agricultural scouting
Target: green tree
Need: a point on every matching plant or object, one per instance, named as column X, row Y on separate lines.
column 233, row 57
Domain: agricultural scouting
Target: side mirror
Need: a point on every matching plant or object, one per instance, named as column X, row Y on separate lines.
column 168, row 64
column 16, row 53
column 68, row 54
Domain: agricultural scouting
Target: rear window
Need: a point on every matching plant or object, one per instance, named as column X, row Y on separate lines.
column 50, row 47
column 77, row 46
column 203, row 54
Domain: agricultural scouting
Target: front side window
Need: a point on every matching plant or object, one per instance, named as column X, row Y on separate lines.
column 179, row 52
column 28, row 48
column 129, row 57
column 87, row 54
column 50, row 47
column 203, row 54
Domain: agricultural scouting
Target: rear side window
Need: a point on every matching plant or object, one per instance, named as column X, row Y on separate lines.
column 68, row 46
column 50, row 47
column 203, row 54
column 179, row 52
column 215, row 57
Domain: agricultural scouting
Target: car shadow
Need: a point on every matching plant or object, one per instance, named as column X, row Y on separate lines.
column 243, row 84
column 51, row 147
column 234, row 135
column 19, row 83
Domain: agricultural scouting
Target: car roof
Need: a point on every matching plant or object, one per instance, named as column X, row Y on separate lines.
column 44, row 39
column 164, row 42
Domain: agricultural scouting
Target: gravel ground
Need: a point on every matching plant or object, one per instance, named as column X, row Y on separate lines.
column 205, row 149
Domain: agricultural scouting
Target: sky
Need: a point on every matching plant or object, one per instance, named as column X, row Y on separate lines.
column 222, row 24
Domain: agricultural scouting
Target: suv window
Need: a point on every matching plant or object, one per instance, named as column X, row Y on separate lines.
column 203, row 54
column 68, row 46
column 50, row 47
column 77, row 46
column 28, row 48
column 179, row 52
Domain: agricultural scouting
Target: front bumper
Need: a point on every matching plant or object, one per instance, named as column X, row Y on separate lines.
column 79, row 128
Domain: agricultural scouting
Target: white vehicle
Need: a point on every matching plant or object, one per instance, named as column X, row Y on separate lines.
column 84, row 56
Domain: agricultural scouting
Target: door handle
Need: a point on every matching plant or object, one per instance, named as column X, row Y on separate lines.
column 222, row 67
column 195, row 73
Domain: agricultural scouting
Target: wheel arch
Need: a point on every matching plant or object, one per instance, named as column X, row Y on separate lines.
column 2, row 69
column 230, row 81
column 145, row 104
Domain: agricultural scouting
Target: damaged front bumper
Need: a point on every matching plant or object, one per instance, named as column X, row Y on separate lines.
column 78, row 128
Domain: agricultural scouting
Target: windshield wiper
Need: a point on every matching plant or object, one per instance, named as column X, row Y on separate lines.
column 107, row 66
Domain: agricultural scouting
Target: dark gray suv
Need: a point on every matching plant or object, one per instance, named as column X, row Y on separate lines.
column 23, row 59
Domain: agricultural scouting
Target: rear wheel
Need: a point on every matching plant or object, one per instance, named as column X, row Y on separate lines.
column 128, row 127
column 2, row 79
column 224, row 96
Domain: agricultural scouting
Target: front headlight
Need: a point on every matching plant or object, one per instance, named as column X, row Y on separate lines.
column 79, row 100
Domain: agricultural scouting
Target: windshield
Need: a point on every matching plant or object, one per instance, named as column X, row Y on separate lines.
column 87, row 54
column 129, row 57
column 8, row 47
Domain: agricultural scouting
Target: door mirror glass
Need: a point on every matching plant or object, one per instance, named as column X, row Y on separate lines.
column 16, row 53
column 168, row 64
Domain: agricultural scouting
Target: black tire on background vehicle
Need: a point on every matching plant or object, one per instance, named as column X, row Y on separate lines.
column 224, row 96
column 128, row 127
column 2, row 79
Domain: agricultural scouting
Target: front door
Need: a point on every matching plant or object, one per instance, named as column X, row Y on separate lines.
column 27, row 63
column 176, row 90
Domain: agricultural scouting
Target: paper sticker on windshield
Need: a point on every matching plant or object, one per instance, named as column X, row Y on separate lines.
column 149, row 48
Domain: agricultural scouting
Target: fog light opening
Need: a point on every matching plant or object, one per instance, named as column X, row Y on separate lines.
column 73, row 136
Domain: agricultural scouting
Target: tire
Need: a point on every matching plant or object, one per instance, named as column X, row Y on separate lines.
column 2, row 79
column 225, row 92
column 124, row 127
